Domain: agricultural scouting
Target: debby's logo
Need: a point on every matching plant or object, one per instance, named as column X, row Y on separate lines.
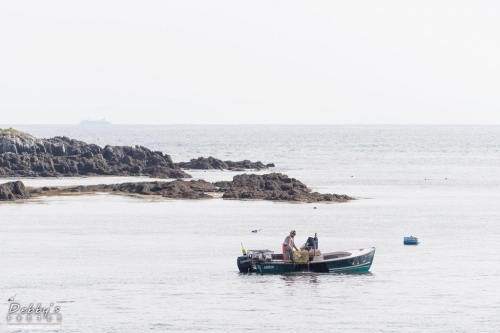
column 19, row 315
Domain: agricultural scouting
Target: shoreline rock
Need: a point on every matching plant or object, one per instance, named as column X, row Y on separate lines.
column 274, row 187
column 178, row 189
column 209, row 163
column 13, row 191
column 23, row 155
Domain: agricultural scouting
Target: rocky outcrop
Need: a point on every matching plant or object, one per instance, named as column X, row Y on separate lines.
column 246, row 164
column 208, row 163
column 178, row 189
column 204, row 163
column 13, row 191
column 274, row 186
column 23, row 155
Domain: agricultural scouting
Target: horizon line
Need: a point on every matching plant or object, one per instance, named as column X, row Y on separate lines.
column 253, row 124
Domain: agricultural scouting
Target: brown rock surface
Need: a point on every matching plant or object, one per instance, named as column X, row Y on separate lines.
column 12, row 191
column 273, row 186
column 178, row 189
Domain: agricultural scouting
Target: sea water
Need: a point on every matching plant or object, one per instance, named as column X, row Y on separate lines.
column 128, row 264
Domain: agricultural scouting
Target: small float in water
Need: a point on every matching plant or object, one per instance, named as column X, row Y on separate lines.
column 410, row 240
column 309, row 259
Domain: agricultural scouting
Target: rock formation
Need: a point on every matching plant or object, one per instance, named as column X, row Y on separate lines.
column 273, row 186
column 208, row 163
column 23, row 155
column 12, row 191
column 178, row 189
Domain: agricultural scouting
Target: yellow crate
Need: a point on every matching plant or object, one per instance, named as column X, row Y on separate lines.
column 301, row 257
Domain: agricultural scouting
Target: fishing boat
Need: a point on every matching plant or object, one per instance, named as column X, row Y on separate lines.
column 267, row 262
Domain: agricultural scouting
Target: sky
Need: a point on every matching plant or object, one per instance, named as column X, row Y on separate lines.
column 250, row 62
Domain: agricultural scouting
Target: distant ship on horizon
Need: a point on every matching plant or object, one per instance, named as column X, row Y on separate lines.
column 95, row 122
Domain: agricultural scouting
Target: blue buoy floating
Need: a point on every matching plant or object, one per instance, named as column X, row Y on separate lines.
column 410, row 240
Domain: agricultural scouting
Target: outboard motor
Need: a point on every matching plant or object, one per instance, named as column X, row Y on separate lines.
column 247, row 263
column 244, row 264
column 311, row 244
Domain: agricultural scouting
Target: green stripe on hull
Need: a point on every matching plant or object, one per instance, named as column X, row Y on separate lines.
column 290, row 268
column 351, row 270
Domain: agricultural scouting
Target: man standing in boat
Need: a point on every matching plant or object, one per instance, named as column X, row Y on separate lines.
column 288, row 246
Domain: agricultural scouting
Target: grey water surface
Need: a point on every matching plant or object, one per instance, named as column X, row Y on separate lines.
column 128, row 264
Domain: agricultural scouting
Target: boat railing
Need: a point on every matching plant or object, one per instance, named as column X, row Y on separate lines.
column 277, row 256
column 335, row 255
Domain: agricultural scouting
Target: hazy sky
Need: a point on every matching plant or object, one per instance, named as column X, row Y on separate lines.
column 258, row 62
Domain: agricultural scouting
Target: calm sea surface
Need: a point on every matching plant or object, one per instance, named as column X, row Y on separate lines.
column 127, row 264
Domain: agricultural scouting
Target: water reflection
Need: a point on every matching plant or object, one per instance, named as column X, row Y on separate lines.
column 290, row 279
column 314, row 278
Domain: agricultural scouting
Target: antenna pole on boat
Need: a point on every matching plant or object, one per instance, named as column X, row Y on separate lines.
column 315, row 242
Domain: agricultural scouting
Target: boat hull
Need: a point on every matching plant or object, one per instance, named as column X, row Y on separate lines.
column 353, row 263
